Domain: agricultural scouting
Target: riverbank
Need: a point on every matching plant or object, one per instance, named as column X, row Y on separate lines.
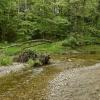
column 16, row 67
column 57, row 60
column 53, row 49
column 7, row 54
column 56, row 50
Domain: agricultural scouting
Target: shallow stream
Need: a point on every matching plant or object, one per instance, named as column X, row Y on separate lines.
column 69, row 77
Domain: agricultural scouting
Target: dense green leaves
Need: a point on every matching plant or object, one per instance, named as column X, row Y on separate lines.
column 48, row 18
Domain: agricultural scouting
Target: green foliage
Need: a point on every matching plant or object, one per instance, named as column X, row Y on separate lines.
column 80, row 40
column 50, row 48
column 89, row 48
column 12, row 51
column 71, row 41
column 49, row 19
column 37, row 63
column 30, row 62
column 34, row 63
column 5, row 60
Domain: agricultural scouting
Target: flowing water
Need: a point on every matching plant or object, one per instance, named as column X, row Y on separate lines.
column 69, row 77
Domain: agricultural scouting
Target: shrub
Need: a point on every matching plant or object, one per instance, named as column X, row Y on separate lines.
column 34, row 63
column 37, row 63
column 5, row 60
column 30, row 62
column 71, row 41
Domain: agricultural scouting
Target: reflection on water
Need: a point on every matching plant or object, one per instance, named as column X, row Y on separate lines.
column 32, row 84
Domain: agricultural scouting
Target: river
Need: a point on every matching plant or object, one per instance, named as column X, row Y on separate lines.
column 69, row 77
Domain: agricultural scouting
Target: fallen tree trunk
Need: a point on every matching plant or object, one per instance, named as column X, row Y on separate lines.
column 38, row 40
column 34, row 45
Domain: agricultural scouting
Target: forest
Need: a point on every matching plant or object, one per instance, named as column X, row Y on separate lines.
column 49, row 19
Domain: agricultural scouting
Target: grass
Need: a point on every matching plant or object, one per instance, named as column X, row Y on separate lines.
column 52, row 48
column 35, row 63
column 5, row 60
column 89, row 48
column 55, row 47
column 8, row 53
column 12, row 51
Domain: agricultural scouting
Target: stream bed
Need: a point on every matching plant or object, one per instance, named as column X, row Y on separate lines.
column 69, row 77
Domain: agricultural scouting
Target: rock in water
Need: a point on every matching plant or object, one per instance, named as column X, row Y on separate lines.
column 44, row 59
